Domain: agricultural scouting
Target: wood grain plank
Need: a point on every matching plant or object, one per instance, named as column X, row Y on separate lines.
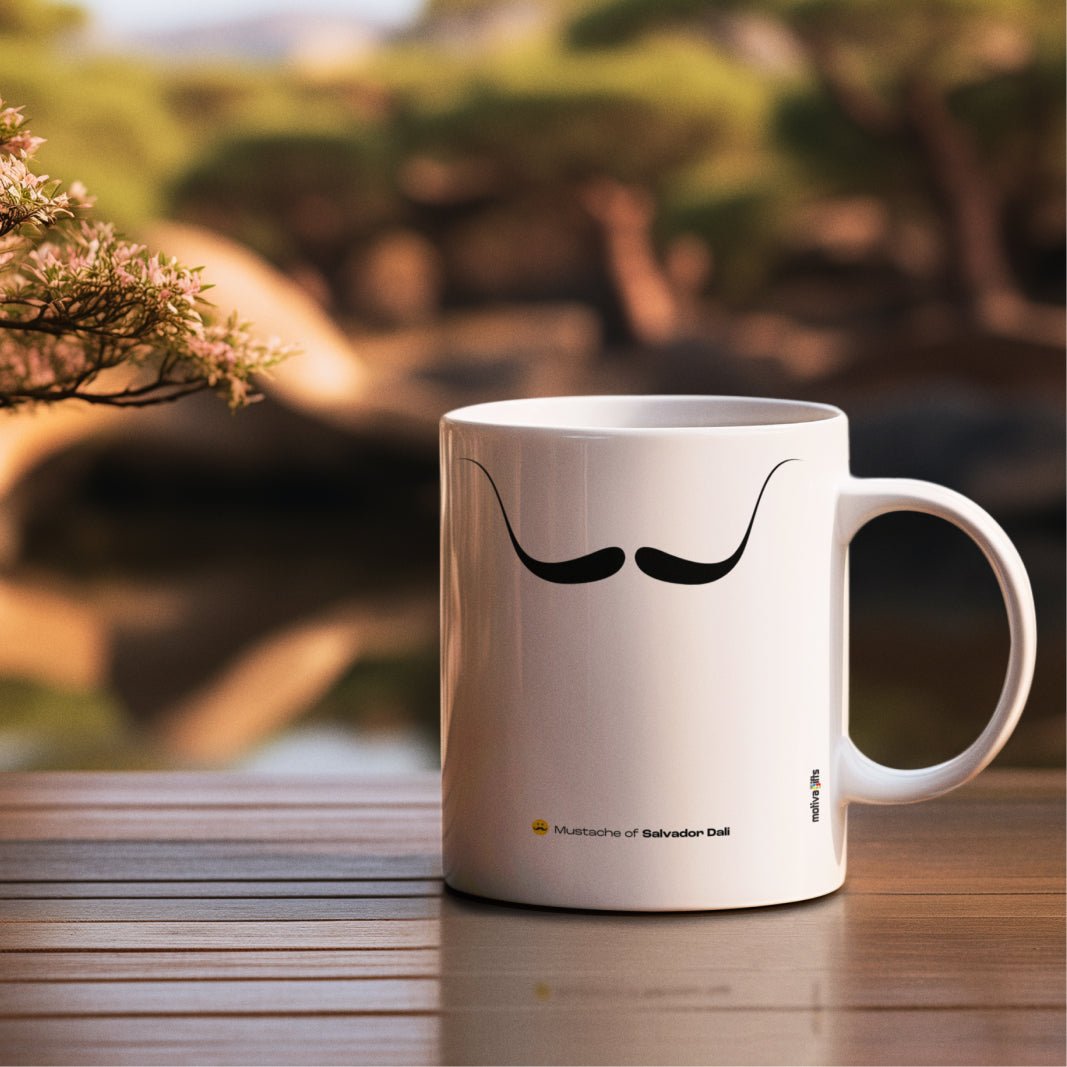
column 810, row 1036
column 966, row 976
column 76, row 861
column 708, row 1038
column 853, row 951
column 308, row 889
column 980, row 846
column 219, row 997
column 213, row 788
column 947, row 907
column 946, row 945
column 340, row 933
column 836, row 984
column 914, row 908
column 256, row 1040
column 764, row 959
column 827, row 988
column 814, row 1036
column 201, row 909
column 741, row 991
column 1010, row 784
column 192, row 965
column 415, row 827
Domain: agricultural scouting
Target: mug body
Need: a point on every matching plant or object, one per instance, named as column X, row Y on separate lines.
column 643, row 651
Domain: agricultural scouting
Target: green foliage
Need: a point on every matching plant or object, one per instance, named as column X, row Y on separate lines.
column 292, row 195
column 742, row 225
column 104, row 119
column 551, row 116
column 51, row 726
column 652, row 92
column 106, row 123
column 386, row 690
column 213, row 104
column 548, row 138
column 844, row 120
column 610, row 24
column 832, row 156
column 37, row 19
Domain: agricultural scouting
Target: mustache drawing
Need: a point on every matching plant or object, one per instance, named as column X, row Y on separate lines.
column 667, row 568
column 594, row 567
column 603, row 563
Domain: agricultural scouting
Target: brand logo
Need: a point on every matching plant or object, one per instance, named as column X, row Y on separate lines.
column 540, row 827
column 596, row 566
column 815, row 785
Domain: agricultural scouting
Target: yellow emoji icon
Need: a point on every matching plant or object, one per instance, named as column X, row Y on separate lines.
column 540, row 827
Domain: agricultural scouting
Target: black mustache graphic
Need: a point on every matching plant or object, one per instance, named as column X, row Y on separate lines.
column 605, row 562
column 591, row 568
column 667, row 568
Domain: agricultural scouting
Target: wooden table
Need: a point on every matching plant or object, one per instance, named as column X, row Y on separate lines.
column 213, row 918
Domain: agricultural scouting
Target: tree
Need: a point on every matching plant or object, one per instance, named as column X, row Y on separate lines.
column 605, row 134
column 911, row 92
column 31, row 18
column 300, row 199
column 87, row 315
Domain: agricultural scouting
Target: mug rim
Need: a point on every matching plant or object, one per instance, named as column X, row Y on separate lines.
column 643, row 413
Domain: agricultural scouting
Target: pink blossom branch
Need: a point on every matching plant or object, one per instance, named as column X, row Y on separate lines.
column 77, row 299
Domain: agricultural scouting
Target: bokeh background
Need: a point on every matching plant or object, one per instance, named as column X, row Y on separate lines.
column 855, row 202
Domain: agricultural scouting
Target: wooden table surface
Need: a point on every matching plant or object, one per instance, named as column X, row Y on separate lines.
column 214, row 918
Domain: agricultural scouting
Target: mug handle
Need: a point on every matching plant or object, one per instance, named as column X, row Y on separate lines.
column 862, row 499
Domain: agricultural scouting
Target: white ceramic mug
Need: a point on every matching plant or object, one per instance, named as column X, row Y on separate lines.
column 644, row 650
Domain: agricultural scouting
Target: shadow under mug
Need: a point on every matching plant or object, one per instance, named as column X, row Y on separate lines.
column 644, row 650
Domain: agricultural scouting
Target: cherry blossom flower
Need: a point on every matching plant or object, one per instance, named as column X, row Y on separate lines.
column 77, row 299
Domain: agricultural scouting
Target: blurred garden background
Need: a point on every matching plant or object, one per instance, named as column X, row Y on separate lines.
column 854, row 202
